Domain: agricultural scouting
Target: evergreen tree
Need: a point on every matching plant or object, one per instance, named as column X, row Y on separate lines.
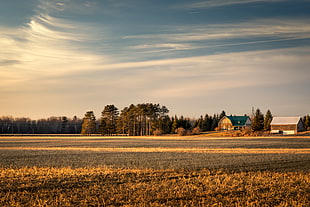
column 103, row 128
column 123, row 121
column 108, row 121
column 175, row 125
column 215, row 122
column 258, row 121
column 164, row 123
column 267, row 120
column 307, row 122
column 144, row 119
column 222, row 115
column 207, row 123
column 199, row 123
column 89, row 123
column 184, row 123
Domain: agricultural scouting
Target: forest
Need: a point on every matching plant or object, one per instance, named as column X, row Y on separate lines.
column 135, row 120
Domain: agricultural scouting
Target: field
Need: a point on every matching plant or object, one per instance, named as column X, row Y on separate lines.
column 155, row 171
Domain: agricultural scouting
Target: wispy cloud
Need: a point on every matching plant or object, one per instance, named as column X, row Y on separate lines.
column 206, row 36
column 51, row 59
column 8, row 62
column 219, row 67
column 256, row 28
column 212, row 74
column 218, row 3
column 45, row 46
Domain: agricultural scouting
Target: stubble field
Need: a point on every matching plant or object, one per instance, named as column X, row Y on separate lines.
column 154, row 171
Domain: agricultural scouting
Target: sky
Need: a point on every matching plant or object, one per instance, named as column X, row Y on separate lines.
column 66, row 57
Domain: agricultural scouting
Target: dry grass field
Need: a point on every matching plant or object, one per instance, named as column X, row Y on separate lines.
column 155, row 171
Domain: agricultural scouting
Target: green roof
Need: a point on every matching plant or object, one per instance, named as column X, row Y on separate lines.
column 238, row 120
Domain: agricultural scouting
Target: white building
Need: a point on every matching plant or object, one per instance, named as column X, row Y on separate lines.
column 286, row 125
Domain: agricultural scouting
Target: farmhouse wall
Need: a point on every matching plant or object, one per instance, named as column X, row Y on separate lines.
column 283, row 127
column 225, row 124
column 234, row 122
column 300, row 126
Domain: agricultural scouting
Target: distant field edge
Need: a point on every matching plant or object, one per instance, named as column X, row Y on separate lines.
column 176, row 137
column 167, row 149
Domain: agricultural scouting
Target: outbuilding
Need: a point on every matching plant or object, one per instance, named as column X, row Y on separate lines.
column 228, row 123
column 286, row 125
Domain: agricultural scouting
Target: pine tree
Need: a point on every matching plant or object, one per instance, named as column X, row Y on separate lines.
column 215, row 122
column 144, row 119
column 199, row 122
column 175, row 125
column 307, row 122
column 207, row 123
column 89, row 123
column 267, row 120
column 108, row 121
column 258, row 121
column 222, row 115
column 164, row 122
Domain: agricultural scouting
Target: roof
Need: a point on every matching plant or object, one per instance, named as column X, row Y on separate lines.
column 238, row 120
column 285, row 120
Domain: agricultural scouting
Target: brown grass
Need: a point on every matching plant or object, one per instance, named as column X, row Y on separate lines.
column 129, row 187
column 170, row 149
column 154, row 171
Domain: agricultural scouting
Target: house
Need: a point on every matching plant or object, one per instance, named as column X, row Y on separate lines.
column 234, row 123
column 286, row 125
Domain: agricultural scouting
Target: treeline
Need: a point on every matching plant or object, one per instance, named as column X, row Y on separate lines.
column 145, row 119
column 134, row 120
column 51, row 125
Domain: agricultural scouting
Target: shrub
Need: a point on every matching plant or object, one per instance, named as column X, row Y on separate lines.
column 247, row 131
column 181, row 131
column 236, row 134
column 158, row 132
column 196, row 131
